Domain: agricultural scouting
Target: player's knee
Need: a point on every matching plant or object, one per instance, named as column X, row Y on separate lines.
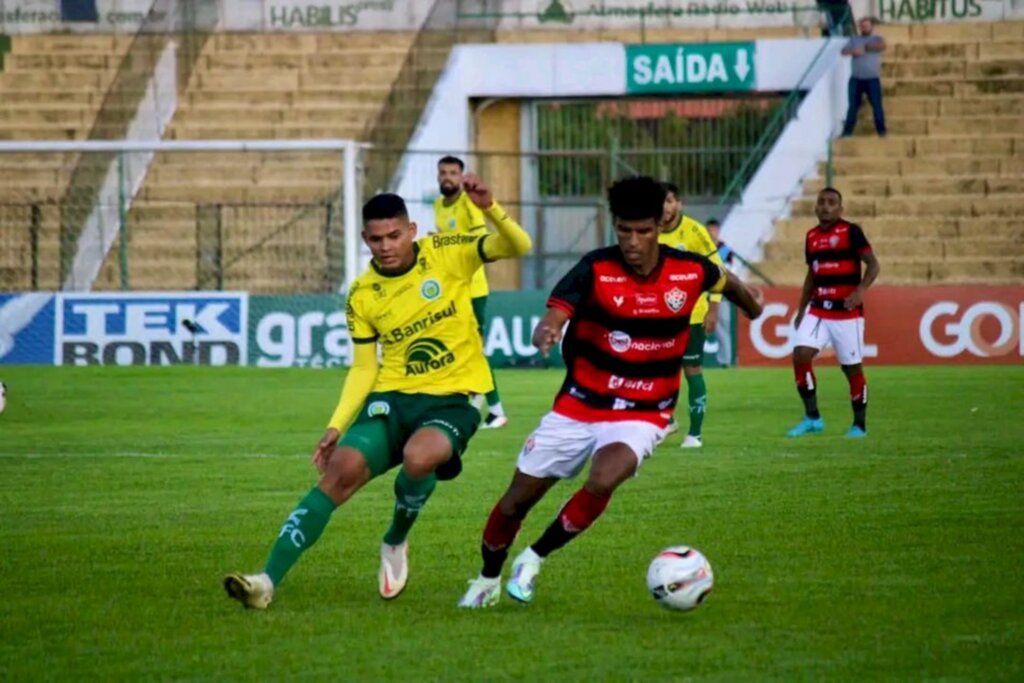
column 346, row 472
column 851, row 370
column 514, row 504
column 692, row 370
column 419, row 462
column 803, row 354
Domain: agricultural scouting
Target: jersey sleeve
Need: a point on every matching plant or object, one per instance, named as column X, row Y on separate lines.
column 573, row 288
column 462, row 255
column 699, row 241
column 714, row 275
column 359, row 327
column 859, row 241
column 476, row 224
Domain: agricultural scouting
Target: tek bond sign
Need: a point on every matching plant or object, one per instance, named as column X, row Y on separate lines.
column 905, row 326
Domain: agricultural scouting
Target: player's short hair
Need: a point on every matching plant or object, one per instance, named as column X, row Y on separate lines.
column 833, row 191
column 713, row 221
column 452, row 160
column 384, row 206
column 637, row 198
column 670, row 188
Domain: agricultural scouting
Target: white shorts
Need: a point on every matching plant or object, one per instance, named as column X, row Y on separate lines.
column 845, row 336
column 561, row 446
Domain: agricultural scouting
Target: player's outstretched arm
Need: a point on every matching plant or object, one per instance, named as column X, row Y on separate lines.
column 510, row 240
column 741, row 295
column 549, row 330
column 358, row 385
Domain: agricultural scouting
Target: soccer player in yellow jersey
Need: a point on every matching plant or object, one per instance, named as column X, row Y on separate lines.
column 412, row 409
column 455, row 213
column 682, row 232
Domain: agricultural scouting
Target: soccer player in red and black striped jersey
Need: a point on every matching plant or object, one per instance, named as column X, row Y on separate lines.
column 834, row 289
column 628, row 311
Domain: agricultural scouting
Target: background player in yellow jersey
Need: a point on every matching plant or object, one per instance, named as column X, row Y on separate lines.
column 412, row 409
column 455, row 212
column 682, row 232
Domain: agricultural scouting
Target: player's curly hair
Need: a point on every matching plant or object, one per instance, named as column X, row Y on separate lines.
column 384, row 206
column 636, row 198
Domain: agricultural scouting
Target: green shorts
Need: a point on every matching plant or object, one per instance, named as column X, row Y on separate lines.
column 387, row 420
column 693, row 357
column 480, row 312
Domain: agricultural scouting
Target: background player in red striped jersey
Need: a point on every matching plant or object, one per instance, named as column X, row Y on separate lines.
column 834, row 289
column 628, row 309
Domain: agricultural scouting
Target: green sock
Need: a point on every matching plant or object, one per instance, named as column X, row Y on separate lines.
column 493, row 398
column 698, row 392
column 299, row 532
column 410, row 497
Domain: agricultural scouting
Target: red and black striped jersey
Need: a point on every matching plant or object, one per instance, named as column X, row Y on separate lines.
column 627, row 333
column 834, row 257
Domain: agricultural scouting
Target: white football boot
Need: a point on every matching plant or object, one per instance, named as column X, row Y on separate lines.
column 692, row 442
column 483, row 592
column 394, row 570
column 252, row 590
column 524, row 575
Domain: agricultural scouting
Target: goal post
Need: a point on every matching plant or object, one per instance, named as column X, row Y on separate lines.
column 266, row 216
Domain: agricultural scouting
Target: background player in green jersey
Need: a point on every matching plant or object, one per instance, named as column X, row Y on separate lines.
column 411, row 410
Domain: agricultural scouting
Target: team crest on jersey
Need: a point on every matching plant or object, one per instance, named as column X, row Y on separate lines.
column 378, row 291
column 833, row 241
column 675, row 299
column 378, row 409
column 430, row 289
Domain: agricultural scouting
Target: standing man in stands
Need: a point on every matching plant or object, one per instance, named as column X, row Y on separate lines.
column 454, row 212
column 865, row 76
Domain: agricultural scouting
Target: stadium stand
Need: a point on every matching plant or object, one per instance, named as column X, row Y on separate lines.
column 51, row 88
column 942, row 196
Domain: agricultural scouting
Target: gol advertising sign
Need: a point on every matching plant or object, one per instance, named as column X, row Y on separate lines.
column 905, row 326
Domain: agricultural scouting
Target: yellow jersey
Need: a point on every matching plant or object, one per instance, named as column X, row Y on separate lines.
column 466, row 218
column 691, row 235
column 423, row 319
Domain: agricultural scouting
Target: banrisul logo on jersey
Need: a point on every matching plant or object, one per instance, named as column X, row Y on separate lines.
column 426, row 355
column 190, row 328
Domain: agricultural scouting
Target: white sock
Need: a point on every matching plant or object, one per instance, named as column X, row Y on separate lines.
column 496, row 409
column 477, row 401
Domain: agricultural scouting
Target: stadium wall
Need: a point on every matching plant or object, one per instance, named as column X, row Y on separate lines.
column 126, row 16
column 905, row 326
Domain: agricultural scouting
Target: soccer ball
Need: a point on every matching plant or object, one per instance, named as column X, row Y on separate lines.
column 680, row 578
column 3, row 396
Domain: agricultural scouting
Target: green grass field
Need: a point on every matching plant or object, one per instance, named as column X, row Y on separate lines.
column 125, row 495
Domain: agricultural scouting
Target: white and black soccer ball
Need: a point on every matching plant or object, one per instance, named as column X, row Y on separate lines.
column 680, row 578
column 3, row 396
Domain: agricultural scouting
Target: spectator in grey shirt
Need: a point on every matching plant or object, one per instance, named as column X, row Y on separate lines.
column 865, row 79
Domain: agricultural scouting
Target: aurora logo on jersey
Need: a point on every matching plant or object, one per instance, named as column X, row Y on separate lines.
column 426, row 355
column 430, row 289
column 429, row 320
